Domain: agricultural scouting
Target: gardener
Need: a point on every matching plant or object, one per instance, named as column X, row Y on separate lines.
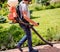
column 25, row 15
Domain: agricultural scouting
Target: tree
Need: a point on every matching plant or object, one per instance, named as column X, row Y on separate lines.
column 2, row 1
column 45, row 2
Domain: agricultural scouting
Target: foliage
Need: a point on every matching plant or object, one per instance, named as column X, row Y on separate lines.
column 33, row 1
column 2, row 1
column 48, row 20
column 56, row 37
column 37, row 7
column 51, row 33
column 2, row 19
column 4, row 10
column 57, row 5
column 10, row 36
column 19, row 0
column 44, row 2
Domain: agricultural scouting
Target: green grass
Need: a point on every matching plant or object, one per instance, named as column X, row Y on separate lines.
column 47, row 19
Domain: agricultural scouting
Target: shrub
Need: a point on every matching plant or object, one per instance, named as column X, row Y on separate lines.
column 52, row 34
column 37, row 7
column 50, row 7
column 4, row 10
column 57, row 5
column 36, row 40
column 2, row 19
column 49, row 34
column 56, row 37
column 10, row 36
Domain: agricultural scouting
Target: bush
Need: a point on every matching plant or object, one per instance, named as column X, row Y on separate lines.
column 50, row 7
column 4, row 10
column 10, row 36
column 49, row 35
column 36, row 40
column 37, row 7
column 56, row 37
column 2, row 19
column 57, row 5
column 53, row 34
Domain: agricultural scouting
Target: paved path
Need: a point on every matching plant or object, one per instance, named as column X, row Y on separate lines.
column 42, row 48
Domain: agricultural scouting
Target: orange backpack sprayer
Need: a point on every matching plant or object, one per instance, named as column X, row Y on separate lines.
column 12, row 9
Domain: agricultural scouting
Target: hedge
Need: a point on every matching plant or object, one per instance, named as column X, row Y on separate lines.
column 9, row 37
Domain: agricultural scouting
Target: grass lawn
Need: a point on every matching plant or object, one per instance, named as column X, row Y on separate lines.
column 46, row 18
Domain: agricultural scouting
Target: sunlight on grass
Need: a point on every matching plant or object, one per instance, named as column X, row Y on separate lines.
column 48, row 18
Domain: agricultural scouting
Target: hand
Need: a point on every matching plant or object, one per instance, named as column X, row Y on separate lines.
column 35, row 24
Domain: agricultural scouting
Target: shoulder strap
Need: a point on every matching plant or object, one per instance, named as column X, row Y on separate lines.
column 18, row 11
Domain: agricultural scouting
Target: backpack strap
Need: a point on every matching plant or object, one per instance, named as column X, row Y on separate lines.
column 19, row 15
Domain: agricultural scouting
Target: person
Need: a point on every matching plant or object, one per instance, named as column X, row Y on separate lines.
column 25, row 16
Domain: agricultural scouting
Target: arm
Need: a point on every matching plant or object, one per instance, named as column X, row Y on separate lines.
column 28, row 19
column 24, row 9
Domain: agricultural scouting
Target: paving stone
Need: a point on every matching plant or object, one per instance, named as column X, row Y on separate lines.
column 41, row 48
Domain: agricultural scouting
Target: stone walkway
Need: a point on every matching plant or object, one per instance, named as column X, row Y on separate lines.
column 42, row 48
